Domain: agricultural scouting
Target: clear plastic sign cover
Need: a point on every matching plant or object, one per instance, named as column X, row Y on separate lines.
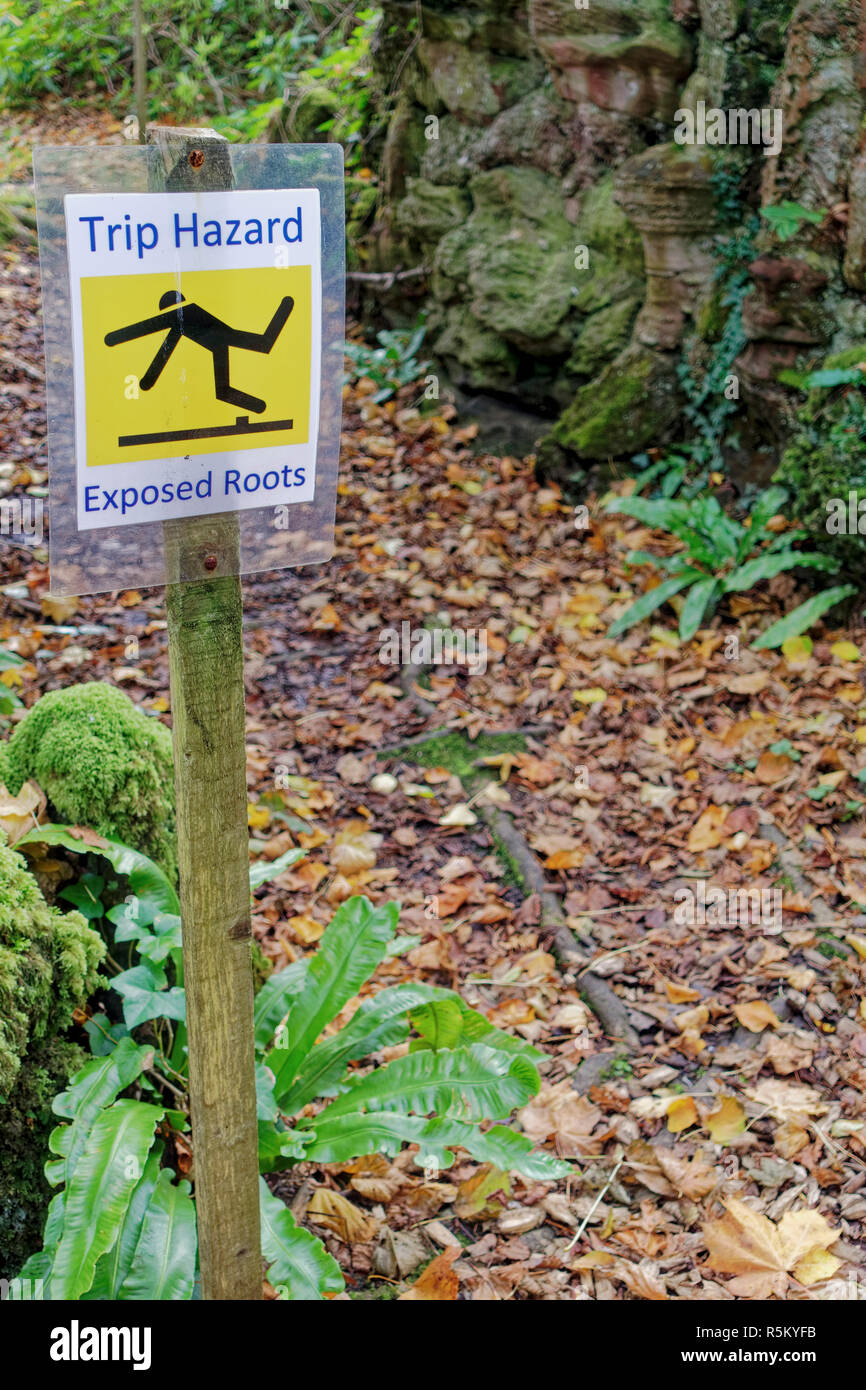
column 193, row 346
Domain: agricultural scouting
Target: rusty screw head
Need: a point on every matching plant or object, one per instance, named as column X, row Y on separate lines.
column 196, row 158
column 210, row 562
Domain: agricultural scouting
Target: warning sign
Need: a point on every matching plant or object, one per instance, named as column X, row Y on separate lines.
column 197, row 351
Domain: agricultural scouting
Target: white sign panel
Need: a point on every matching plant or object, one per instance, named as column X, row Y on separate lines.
column 197, row 344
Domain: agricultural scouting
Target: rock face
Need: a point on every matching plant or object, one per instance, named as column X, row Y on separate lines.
column 583, row 262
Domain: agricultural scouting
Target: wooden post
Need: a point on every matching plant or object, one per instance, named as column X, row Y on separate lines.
column 139, row 70
column 204, row 609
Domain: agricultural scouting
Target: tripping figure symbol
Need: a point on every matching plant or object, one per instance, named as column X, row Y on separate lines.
column 185, row 320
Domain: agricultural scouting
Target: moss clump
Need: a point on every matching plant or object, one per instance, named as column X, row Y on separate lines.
column 48, row 966
column 101, row 763
column 458, row 753
column 826, row 461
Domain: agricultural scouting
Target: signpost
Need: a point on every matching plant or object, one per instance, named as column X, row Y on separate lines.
column 190, row 329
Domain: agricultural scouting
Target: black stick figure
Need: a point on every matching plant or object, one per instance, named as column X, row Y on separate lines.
column 185, row 320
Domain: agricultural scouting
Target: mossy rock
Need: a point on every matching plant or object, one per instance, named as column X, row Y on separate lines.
column 602, row 336
column 826, row 461
column 429, row 210
column 101, row 763
column 48, row 967
column 634, row 402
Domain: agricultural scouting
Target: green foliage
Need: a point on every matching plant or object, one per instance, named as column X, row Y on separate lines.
column 826, row 460
column 234, row 62
column 122, row 1228
column 721, row 557
column 48, row 966
column 787, row 218
column 102, row 763
column 393, row 363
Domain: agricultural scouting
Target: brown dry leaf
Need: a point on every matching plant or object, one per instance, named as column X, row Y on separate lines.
column 789, row 1053
column 707, row 832
column 726, row 1121
column 352, row 770
column 789, row 1102
column 789, row 1139
column 682, row 1113
column 772, row 767
column 680, row 994
column 354, row 848
column 693, row 1177
column 509, row 1012
column 450, row 898
column 439, row 1282
column 334, row 1211
column 643, row 1280
column 763, row 1255
column 377, row 1179
column 756, row 1015
column 751, row 684
column 559, row 1113
column 21, row 813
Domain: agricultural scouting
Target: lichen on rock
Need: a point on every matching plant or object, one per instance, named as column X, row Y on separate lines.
column 102, row 763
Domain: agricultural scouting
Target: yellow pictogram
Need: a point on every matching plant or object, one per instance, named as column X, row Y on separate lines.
column 200, row 362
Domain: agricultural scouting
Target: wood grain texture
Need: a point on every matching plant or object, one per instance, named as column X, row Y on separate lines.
column 204, row 610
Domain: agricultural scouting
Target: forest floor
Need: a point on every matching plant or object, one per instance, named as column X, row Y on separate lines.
column 641, row 772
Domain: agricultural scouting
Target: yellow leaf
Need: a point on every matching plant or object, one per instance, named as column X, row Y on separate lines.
column 682, row 1113
column 725, row 1122
column 680, row 994
column 258, row 817
column 859, row 945
column 58, row 608
column 565, row 859
column 707, row 832
column 817, row 1265
column 305, row 928
column 845, row 651
column 797, row 648
column 335, row 1212
column 860, row 733
column 594, row 696
column 756, row 1015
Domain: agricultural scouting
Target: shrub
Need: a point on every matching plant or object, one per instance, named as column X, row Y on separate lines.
column 101, row 763
column 48, row 965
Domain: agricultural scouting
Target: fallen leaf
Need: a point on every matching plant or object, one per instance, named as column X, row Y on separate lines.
column 707, row 832
column 439, row 1282
column 334, row 1211
column 483, row 1196
column 459, row 815
column 763, row 1255
column 682, row 1113
column 756, row 1015
column 726, row 1121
